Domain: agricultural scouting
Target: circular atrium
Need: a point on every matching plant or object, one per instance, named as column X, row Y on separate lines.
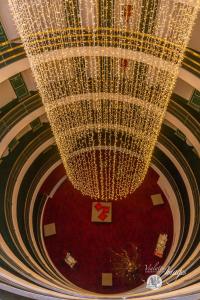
column 99, row 149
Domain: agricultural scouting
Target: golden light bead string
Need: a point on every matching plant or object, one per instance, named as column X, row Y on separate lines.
column 105, row 71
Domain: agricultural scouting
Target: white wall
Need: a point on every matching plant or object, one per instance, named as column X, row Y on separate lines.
column 14, row 68
column 183, row 89
column 195, row 40
column 23, row 131
column 169, row 124
column 29, row 80
column 44, row 119
column 7, row 20
column 6, row 93
column 190, row 78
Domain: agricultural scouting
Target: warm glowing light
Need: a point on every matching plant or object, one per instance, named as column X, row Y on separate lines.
column 105, row 70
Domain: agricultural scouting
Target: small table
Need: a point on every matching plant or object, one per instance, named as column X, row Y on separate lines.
column 49, row 229
column 107, row 279
column 157, row 199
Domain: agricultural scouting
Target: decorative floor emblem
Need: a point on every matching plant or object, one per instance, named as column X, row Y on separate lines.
column 102, row 212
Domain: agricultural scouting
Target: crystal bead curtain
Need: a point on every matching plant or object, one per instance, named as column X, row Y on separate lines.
column 105, row 71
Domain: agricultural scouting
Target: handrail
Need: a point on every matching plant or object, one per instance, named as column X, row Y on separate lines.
column 191, row 61
column 8, row 42
column 185, row 117
column 11, row 188
column 22, row 108
column 163, row 138
column 30, row 148
column 9, row 185
column 161, row 165
column 14, row 50
column 19, row 111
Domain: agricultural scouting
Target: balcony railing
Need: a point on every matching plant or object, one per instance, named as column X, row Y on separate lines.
column 13, row 50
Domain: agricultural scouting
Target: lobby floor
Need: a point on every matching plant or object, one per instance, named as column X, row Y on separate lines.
column 134, row 221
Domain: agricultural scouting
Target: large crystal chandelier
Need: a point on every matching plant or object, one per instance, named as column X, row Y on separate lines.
column 105, row 70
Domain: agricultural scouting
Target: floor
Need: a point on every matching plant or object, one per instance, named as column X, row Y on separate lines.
column 135, row 222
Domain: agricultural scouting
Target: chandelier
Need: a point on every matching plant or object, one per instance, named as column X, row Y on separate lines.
column 105, row 70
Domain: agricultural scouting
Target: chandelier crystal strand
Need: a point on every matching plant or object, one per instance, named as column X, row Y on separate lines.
column 105, row 71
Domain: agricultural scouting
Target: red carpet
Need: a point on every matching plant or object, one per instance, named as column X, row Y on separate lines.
column 135, row 220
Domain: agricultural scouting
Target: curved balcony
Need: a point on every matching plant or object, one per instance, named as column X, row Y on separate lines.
column 183, row 153
column 13, row 51
column 162, row 159
column 26, row 185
